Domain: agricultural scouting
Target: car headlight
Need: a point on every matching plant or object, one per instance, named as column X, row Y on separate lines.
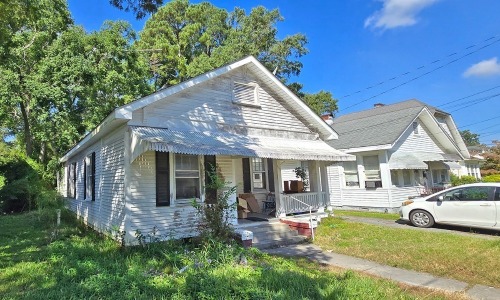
column 407, row 202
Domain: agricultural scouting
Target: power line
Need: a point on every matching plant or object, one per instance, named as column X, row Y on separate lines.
column 484, row 91
column 422, row 75
column 418, row 68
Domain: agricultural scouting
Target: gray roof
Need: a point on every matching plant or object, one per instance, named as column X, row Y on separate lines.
column 377, row 126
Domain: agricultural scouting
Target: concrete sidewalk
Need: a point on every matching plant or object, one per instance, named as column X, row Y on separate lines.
column 404, row 276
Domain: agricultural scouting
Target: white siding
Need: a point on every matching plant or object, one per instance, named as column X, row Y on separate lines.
column 211, row 104
column 400, row 194
column 107, row 210
column 369, row 198
column 422, row 142
column 335, row 183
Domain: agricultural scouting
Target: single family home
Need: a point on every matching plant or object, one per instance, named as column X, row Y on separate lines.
column 403, row 149
column 144, row 164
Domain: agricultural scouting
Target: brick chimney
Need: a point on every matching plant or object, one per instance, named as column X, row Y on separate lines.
column 378, row 105
column 326, row 117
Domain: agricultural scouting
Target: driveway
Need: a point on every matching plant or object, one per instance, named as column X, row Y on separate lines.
column 466, row 231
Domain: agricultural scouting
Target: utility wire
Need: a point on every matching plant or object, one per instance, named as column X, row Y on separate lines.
column 418, row 68
column 422, row 75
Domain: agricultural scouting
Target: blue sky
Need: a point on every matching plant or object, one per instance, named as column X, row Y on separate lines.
column 356, row 44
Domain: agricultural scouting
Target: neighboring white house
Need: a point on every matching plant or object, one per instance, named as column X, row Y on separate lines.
column 470, row 167
column 143, row 165
column 404, row 149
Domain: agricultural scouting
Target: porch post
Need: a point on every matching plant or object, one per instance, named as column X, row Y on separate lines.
column 325, row 187
column 278, row 188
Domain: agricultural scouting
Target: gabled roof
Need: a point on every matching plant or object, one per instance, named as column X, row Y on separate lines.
column 377, row 126
column 381, row 127
column 122, row 114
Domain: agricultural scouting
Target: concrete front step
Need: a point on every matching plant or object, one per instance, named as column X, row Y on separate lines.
column 266, row 244
column 268, row 227
column 257, row 238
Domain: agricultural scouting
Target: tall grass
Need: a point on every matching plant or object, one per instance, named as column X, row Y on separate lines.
column 79, row 264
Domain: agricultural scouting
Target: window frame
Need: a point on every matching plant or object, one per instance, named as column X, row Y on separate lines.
column 72, row 176
column 173, row 180
column 351, row 173
column 416, row 130
column 409, row 182
column 263, row 172
column 89, row 177
column 379, row 178
column 396, row 172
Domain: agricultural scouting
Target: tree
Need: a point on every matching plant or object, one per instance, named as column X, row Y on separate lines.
column 491, row 165
column 141, row 8
column 183, row 40
column 59, row 82
column 470, row 139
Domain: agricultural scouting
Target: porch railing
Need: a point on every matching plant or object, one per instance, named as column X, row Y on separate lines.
column 302, row 202
column 310, row 212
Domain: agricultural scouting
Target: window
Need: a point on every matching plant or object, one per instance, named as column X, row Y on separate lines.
column 371, row 164
column 476, row 193
column 351, row 173
column 497, row 194
column 407, row 177
column 89, row 177
column 258, row 173
column 246, row 94
column 162, row 179
column 415, row 128
column 394, row 177
column 436, row 176
column 187, row 176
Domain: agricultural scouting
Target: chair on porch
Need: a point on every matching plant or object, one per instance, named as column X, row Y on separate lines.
column 269, row 204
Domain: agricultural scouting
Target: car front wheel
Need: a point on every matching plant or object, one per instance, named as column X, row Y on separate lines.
column 421, row 218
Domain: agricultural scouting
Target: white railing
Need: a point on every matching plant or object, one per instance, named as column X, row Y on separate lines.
column 302, row 203
column 310, row 212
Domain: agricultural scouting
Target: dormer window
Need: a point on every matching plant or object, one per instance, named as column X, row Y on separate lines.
column 415, row 128
column 246, row 94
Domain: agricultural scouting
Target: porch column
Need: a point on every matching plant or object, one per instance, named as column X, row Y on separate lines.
column 325, row 188
column 315, row 181
column 278, row 187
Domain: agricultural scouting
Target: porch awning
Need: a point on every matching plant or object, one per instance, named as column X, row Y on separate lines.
column 225, row 143
column 400, row 160
column 431, row 156
column 451, row 165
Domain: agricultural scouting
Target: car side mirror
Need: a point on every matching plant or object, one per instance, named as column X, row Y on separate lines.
column 440, row 198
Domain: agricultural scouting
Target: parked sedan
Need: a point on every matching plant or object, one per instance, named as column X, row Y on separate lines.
column 472, row 205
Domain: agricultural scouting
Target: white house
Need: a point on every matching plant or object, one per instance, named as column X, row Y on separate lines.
column 143, row 165
column 404, row 149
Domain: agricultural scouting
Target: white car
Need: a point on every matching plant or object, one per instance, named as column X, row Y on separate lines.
column 472, row 205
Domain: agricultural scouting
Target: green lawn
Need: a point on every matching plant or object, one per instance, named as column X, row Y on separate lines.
column 470, row 259
column 366, row 214
column 79, row 264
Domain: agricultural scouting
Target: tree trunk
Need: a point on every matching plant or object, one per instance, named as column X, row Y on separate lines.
column 27, row 130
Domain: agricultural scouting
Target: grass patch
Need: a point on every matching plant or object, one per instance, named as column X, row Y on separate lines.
column 76, row 263
column 366, row 214
column 464, row 258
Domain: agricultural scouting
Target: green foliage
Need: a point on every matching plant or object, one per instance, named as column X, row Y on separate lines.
column 455, row 180
column 183, row 40
column 302, row 174
column 215, row 218
column 470, row 139
column 80, row 264
column 491, row 178
column 141, row 8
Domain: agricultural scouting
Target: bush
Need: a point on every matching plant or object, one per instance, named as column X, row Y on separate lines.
column 21, row 185
column 491, row 178
column 455, row 180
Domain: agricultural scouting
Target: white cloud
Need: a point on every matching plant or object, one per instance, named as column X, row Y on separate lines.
column 397, row 13
column 484, row 68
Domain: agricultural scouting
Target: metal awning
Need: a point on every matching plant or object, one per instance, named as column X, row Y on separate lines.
column 402, row 160
column 226, row 143
column 432, row 156
column 452, row 165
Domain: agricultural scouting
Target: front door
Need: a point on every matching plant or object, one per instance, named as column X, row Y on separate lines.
column 469, row 206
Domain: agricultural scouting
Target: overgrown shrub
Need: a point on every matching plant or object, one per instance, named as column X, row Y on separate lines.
column 215, row 218
column 491, row 178
column 22, row 185
column 455, row 180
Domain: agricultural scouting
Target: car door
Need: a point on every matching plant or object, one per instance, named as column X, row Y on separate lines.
column 469, row 206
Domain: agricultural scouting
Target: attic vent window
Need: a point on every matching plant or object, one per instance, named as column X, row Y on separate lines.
column 246, row 94
column 415, row 128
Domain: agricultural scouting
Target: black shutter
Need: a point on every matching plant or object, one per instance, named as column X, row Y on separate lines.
column 210, row 193
column 68, row 181
column 270, row 174
column 84, row 178
column 162, row 179
column 92, row 179
column 247, row 182
column 74, row 180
